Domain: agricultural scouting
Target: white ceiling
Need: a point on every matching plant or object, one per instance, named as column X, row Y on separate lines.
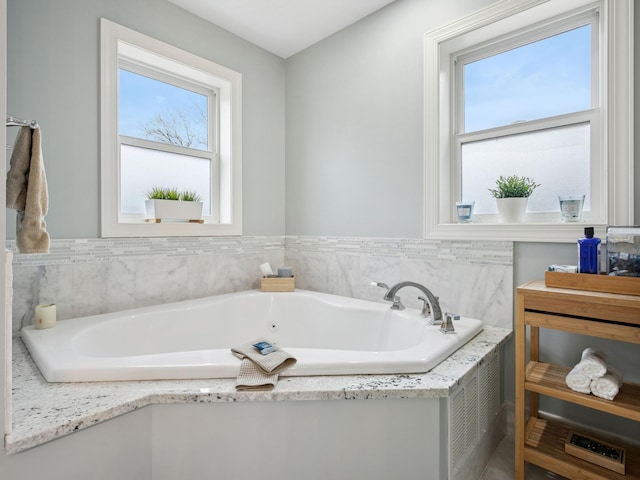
column 283, row 27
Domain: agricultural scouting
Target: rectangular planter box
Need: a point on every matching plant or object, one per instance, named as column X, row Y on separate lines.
column 173, row 210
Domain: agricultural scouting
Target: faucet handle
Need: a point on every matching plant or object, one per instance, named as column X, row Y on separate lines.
column 381, row 285
column 397, row 303
column 447, row 324
column 426, row 307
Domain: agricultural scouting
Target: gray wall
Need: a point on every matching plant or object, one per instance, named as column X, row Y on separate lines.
column 53, row 76
column 355, row 153
column 355, row 125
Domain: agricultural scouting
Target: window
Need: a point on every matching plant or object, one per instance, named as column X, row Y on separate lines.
column 169, row 119
column 526, row 88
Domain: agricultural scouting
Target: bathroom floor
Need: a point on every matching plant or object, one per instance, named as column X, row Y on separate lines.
column 501, row 466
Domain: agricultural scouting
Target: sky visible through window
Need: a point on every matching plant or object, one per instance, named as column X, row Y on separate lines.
column 542, row 79
column 539, row 80
column 161, row 112
column 158, row 111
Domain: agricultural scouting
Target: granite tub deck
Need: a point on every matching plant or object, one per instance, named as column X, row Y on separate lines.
column 45, row 411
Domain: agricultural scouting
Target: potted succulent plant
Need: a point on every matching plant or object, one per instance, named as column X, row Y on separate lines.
column 170, row 204
column 512, row 194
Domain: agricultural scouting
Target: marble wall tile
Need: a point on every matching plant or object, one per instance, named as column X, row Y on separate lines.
column 88, row 277
column 472, row 279
column 101, row 287
column 92, row 276
column 40, row 284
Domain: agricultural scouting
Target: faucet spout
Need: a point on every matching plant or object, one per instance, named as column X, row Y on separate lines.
column 430, row 298
column 397, row 304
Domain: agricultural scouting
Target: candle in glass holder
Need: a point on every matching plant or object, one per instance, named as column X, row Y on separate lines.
column 45, row 315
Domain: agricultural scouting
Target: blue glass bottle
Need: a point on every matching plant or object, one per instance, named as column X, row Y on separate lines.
column 588, row 252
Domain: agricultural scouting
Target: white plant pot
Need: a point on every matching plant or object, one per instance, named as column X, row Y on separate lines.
column 173, row 209
column 512, row 210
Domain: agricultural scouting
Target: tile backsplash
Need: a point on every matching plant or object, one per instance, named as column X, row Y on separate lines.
column 473, row 279
column 90, row 276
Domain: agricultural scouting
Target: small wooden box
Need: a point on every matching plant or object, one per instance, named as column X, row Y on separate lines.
column 593, row 283
column 277, row 284
column 615, row 465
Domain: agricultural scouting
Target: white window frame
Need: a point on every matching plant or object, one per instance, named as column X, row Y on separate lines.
column 123, row 46
column 132, row 60
column 615, row 173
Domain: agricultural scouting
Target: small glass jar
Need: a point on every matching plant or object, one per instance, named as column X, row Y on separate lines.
column 464, row 211
column 571, row 207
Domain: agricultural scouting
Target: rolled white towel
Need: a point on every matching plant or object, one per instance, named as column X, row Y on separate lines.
column 593, row 363
column 578, row 381
column 607, row 386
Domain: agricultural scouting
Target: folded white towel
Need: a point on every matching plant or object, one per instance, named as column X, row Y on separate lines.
column 607, row 386
column 251, row 377
column 274, row 362
column 593, row 363
column 578, row 381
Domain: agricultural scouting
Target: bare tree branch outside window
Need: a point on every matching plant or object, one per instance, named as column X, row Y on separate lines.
column 177, row 127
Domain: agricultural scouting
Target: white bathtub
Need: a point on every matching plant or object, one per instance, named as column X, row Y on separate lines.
column 328, row 334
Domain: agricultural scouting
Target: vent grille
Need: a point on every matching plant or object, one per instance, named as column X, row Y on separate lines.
column 471, row 412
column 489, row 391
column 457, row 430
column 473, row 408
column 464, row 420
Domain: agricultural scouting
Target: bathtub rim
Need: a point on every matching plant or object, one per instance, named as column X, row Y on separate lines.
column 66, row 370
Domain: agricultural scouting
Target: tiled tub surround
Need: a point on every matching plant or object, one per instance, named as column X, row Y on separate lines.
column 88, row 277
column 95, row 276
column 473, row 279
column 91, row 276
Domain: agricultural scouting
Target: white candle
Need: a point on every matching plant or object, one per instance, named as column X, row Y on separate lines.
column 46, row 315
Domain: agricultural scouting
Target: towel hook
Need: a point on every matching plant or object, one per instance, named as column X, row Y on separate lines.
column 16, row 122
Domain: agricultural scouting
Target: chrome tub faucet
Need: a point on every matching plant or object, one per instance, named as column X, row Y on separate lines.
column 431, row 308
column 397, row 304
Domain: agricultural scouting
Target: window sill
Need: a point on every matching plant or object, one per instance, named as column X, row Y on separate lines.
column 171, row 229
column 515, row 232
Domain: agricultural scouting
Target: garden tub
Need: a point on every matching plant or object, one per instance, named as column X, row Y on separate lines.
column 328, row 334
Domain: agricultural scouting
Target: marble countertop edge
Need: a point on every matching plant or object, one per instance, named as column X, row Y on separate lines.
column 43, row 411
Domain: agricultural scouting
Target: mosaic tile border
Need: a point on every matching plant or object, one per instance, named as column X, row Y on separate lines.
column 483, row 252
column 68, row 251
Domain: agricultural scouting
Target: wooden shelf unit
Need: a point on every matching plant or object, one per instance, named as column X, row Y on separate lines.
column 597, row 314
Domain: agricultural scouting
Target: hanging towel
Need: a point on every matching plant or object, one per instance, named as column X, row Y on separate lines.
column 274, row 362
column 252, row 378
column 19, row 169
column 607, row 386
column 593, row 363
column 27, row 192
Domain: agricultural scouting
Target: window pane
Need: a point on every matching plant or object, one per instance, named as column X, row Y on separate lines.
column 158, row 111
column 144, row 168
column 558, row 159
column 542, row 79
